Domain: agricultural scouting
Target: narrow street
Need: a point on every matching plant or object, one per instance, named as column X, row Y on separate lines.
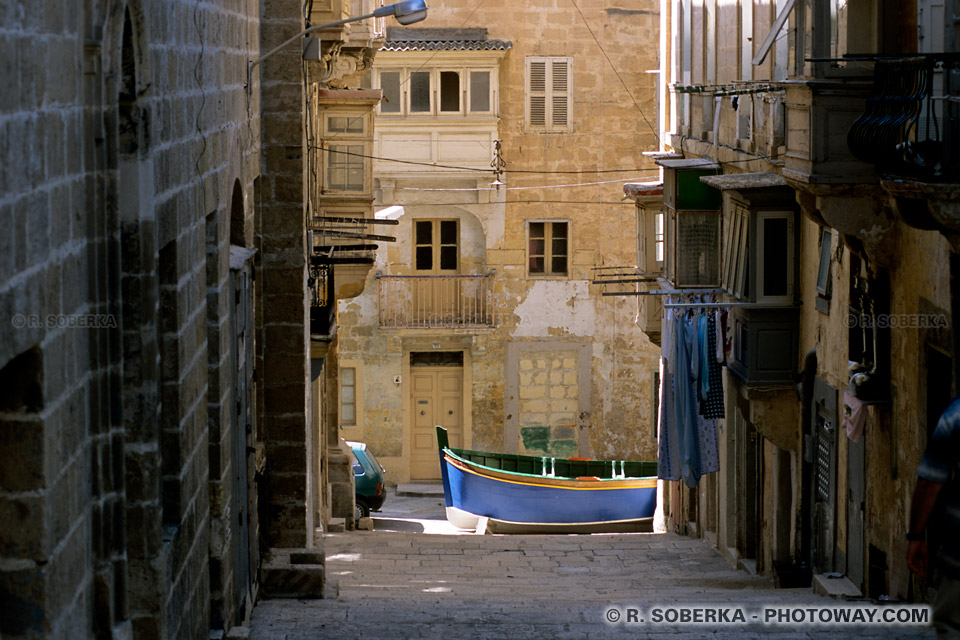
column 414, row 577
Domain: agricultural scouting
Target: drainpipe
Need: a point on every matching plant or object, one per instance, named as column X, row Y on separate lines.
column 808, row 374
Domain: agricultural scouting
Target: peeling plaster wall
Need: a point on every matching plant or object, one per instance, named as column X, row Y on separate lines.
column 555, row 306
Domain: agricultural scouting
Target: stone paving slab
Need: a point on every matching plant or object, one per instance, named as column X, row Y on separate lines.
column 408, row 584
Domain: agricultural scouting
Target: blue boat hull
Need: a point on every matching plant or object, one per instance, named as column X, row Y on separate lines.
column 526, row 501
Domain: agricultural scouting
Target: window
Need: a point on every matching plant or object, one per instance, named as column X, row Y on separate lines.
column 758, row 254
column 346, row 146
column 439, row 91
column 420, row 92
column 649, row 239
column 735, row 257
column 479, row 91
column 348, row 396
column 390, row 85
column 436, row 245
column 548, row 248
column 449, row 91
column 345, row 164
column 658, row 238
column 549, row 94
column 345, row 124
column 696, row 237
column 775, row 256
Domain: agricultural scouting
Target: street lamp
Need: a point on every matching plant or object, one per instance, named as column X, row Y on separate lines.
column 406, row 12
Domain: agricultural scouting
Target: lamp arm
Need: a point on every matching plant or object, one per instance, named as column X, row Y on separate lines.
column 318, row 27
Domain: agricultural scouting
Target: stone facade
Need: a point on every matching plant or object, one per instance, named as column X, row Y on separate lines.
column 148, row 271
column 499, row 316
column 797, row 494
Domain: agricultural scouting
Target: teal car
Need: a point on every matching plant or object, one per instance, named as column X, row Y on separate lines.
column 368, row 477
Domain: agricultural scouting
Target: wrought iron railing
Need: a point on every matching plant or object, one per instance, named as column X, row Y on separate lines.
column 445, row 301
column 322, row 302
column 911, row 124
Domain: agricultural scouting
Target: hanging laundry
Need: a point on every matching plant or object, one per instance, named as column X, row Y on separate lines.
column 714, row 403
column 688, row 437
column 854, row 416
column 707, row 442
column 668, row 459
column 726, row 334
column 668, row 467
column 719, row 337
column 704, row 354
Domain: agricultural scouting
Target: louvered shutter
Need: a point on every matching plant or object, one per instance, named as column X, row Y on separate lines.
column 549, row 94
column 560, row 94
column 538, row 93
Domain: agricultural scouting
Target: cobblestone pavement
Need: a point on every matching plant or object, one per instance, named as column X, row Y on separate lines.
column 400, row 582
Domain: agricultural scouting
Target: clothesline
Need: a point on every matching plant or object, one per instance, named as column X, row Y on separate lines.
column 663, row 292
column 675, row 305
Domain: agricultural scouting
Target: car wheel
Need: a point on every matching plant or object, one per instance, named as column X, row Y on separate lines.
column 361, row 511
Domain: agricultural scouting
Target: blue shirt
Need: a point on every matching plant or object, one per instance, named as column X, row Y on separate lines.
column 941, row 463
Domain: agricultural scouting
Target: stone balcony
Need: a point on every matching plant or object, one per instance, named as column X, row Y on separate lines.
column 865, row 151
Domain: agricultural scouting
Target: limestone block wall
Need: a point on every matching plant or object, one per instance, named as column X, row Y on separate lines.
column 123, row 136
column 289, row 439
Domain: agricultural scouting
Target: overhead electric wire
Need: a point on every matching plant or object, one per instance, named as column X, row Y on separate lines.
column 487, row 170
column 546, row 186
column 610, row 62
column 628, row 202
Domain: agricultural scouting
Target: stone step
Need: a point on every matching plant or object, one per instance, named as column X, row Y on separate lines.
column 835, row 585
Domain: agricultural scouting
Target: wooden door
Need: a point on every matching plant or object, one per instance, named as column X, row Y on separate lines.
column 436, row 399
column 436, row 255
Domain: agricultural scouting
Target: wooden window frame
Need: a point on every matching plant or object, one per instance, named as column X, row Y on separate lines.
column 548, row 255
column 788, row 297
column 436, row 246
column 340, row 401
column 465, row 91
column 346, row 148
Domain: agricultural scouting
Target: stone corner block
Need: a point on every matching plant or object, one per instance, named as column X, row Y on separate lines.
column 293, row 573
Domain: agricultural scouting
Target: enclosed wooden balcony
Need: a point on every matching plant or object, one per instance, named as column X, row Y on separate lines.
column 436, row 301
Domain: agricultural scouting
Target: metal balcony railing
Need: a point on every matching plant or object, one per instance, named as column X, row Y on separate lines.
column 911, row 124
column 323, row 305
column 428, row 302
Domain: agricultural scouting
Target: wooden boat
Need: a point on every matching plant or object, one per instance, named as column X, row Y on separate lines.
column 505, row 493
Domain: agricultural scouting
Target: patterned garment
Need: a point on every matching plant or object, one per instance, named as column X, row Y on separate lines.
column 713, row 407
column 709, row 450
column 941, row 463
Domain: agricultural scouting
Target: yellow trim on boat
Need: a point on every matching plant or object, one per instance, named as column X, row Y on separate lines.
column 559, row 483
